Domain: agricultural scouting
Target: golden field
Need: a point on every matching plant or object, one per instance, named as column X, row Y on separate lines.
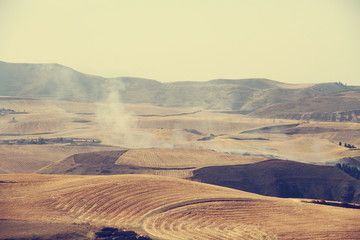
column 169, row 208
column 164, row 146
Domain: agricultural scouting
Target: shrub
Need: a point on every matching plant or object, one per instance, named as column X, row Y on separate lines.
column 109, row 233
column 109, row 229
column 104, row 234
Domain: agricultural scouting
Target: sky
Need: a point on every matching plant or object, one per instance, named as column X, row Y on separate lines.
column 292, row 41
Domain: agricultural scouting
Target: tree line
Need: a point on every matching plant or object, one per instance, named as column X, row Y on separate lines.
column 347, row 145
column 350, row 170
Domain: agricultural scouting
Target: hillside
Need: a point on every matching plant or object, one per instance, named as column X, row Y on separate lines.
column 339, row 107
column 350, row 161
column 164, row 208
column 54, row 81
column 273, row 178
column 284, row 179
column 167, row 162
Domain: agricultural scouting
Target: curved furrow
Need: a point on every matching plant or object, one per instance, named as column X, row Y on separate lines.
column 200, row 223
column 112, row 209
column 87, row 200
column 188, row 202
column 122, row 212
column 107, row 204
column 59, row 199
column 102, row 208
column 120, row 204
column 155, row 202
column 73, row 197
column 168, row 208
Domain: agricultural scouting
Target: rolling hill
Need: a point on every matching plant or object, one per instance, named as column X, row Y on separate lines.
column 54, row 81
column 287, row 179
column 165, row 208
column 338, row 107
column 277, row 178
column 166, row 162
column 119, row 152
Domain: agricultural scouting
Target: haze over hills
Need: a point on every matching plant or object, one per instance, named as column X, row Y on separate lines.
column 341, row 106
column 54, row 81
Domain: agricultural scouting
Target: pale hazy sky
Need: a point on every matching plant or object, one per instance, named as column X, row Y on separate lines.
column 292, row 41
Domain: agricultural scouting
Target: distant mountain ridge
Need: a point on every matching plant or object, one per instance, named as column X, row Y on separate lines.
column 336, row 107
column 54, row 81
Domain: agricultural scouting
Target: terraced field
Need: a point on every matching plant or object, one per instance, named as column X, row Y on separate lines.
column 168, row 208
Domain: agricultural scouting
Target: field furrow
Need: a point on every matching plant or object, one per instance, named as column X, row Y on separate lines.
column 169, row 208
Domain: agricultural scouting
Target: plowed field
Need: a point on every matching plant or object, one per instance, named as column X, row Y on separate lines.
column 168, row 208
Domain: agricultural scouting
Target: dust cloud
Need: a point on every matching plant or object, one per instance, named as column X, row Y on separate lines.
column 120, row 123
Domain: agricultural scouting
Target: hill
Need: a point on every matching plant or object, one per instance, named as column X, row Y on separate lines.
column 277, row 178
column 284, row 179
column 350, row 161
column 167, row 162
column 343, row 106
column 166, row 208
column 54, row 81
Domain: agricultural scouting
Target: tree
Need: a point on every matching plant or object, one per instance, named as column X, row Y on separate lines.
column 13, row 120
column 41, row 140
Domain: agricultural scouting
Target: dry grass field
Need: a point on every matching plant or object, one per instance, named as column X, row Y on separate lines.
column 170, row 143
column 30, row 158
column 169, row 208
column 145, row 126
column 181, row 158
column 177, row 162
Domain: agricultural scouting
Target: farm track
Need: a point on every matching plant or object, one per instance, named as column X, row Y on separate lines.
column 169, row 208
